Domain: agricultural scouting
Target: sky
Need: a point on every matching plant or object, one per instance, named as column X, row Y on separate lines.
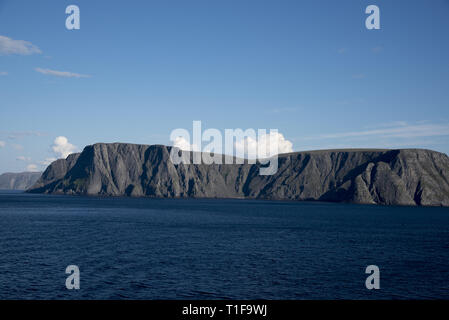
column 136, row 70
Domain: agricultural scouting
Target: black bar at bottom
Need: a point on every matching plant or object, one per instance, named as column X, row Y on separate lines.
column 224, row 309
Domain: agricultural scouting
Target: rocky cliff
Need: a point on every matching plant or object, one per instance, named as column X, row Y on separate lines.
column 18, row 181
column 391, row 177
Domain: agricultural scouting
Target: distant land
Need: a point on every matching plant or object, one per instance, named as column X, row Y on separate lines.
column 368, row 176
column 18, row 181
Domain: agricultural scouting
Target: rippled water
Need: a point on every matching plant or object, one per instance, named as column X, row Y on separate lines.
column 213, row 249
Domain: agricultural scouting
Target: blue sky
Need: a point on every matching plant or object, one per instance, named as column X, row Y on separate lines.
column 139, row 69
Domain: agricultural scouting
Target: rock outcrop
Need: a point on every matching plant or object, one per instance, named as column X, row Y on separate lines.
column 389, row 177
column 18, row 181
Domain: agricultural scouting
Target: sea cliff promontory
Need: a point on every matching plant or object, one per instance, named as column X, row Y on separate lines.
column 369, row 176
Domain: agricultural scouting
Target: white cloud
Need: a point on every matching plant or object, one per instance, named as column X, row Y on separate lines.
column 183, row 144
column 266, row 145
column 2, row 144
column 47, row 161
column 11, row 46
column 62, row 148
column 31, row 167
column 23, row 158
column 64, row 74
column 3, row 73
column 342, row 50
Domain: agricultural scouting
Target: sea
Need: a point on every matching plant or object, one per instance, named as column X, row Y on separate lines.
column 145, row 248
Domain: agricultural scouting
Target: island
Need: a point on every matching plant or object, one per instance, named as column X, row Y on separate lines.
column 415, row 177
column 18, row 181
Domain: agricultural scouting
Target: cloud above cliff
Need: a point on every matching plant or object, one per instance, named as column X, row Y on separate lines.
column 64, row 74
column 183, row 144
column 263, row 146
column 62, row 147
column 10, row 46
column 259, row 147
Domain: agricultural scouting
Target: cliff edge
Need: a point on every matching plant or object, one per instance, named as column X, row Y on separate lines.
column 371, row 176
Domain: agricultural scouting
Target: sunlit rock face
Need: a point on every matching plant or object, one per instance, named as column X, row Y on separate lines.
column 387, row 177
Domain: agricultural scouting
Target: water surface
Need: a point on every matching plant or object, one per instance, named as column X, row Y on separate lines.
column 130, row 248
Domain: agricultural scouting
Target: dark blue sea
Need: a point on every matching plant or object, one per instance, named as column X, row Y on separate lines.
column 137, row 248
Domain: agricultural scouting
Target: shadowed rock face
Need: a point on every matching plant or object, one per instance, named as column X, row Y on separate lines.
column 392, row 177
column 18, row 181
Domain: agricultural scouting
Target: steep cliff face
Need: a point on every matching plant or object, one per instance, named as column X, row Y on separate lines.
column 18, row 181
column 393, row 177
column 54, row 173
